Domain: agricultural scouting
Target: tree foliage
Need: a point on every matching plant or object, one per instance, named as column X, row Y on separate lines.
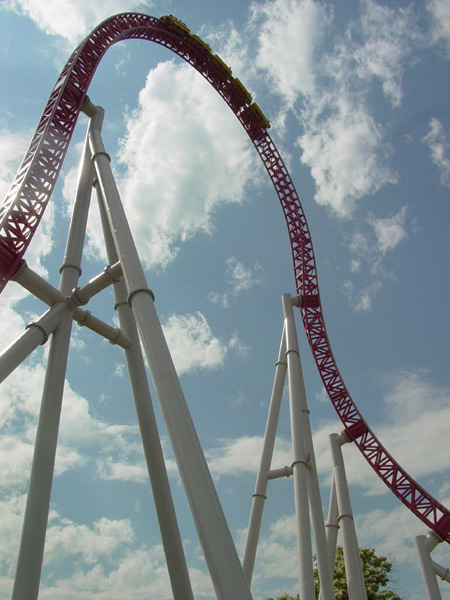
column 377, row 576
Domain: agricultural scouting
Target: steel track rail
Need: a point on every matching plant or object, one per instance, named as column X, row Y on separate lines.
column 30, row 193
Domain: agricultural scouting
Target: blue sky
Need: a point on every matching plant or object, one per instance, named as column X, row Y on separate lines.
column 357, row 95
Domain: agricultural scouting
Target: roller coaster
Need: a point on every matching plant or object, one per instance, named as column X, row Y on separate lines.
column 31, row 190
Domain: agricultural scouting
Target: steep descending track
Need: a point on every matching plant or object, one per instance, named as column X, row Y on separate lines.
column 30, row 192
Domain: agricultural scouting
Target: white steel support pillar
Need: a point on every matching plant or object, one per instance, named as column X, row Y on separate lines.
column 353, row 568
column 220, row 553
column 165, row 510
column 425, row 545
column 31, row 551
column 260, row 494
column 299, row 457
column 306, row 483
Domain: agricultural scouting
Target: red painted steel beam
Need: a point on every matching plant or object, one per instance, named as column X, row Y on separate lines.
column 31, row 190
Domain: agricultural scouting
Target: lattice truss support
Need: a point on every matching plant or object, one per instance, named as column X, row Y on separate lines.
column 138, row 323
column 308, row 504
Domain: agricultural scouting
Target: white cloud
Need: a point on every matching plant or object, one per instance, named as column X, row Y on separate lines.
column 82, row 436
column 243, row 278
column 239, row 279
column 242, row 456
column 110, row 469
column 71, row 20
column 193, row 345
column 65, row 538
column 289, row 37
column 389, row 34
column 369, row 248
column 390, row 232
column 180, row 166
column 436, row 140
column 342, row 143
column 13, row 146
column 344, row 154
column 440, row 29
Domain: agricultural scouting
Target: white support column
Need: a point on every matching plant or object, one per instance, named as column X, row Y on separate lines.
column 220, row 552
column 353, row 569
column 299, row 456
column 165, row 510
column 425, row 545
column 317, row 519
column 31, row 551
column 259, row 496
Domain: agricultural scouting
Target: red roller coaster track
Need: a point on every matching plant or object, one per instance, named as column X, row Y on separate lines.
column 30, row 192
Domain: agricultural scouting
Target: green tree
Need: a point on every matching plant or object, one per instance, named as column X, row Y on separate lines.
column 377, row 575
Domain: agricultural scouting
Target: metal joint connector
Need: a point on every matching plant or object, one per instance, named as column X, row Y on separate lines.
column 83, row 321
column 259, row 496
column 76, row 299
column 343, row 438
column 134, row 292
column 70, row 266
column 345, row 515
column 114, row 341
column 108, row 275
column 123, row 303
column 45, row 335
column 101, row 153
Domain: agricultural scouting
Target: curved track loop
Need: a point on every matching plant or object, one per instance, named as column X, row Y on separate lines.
column 30, row 192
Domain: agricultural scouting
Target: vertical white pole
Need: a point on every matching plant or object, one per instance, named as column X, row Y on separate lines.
column 299, row 457
column 317, row 519
column 165, row 510
column 220, row 552
column 259, row 495
column 31, row 551
column 353, row 569
column 424, row 546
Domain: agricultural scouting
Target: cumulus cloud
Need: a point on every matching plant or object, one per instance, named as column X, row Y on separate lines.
column 82, row 435
column 193, row 345
column 180, row 168
column 239, row 279
column 13, row 146
column 71, row 20
column 243, row 278
column 436, row 140
column 102, row 559
column 440, row 26
column 290, row 35
column 227, row 457
column 390, row 232
column 389, row 36
column 344, row 154
column 370, row 244
column 329, row 89
column 66, row 538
